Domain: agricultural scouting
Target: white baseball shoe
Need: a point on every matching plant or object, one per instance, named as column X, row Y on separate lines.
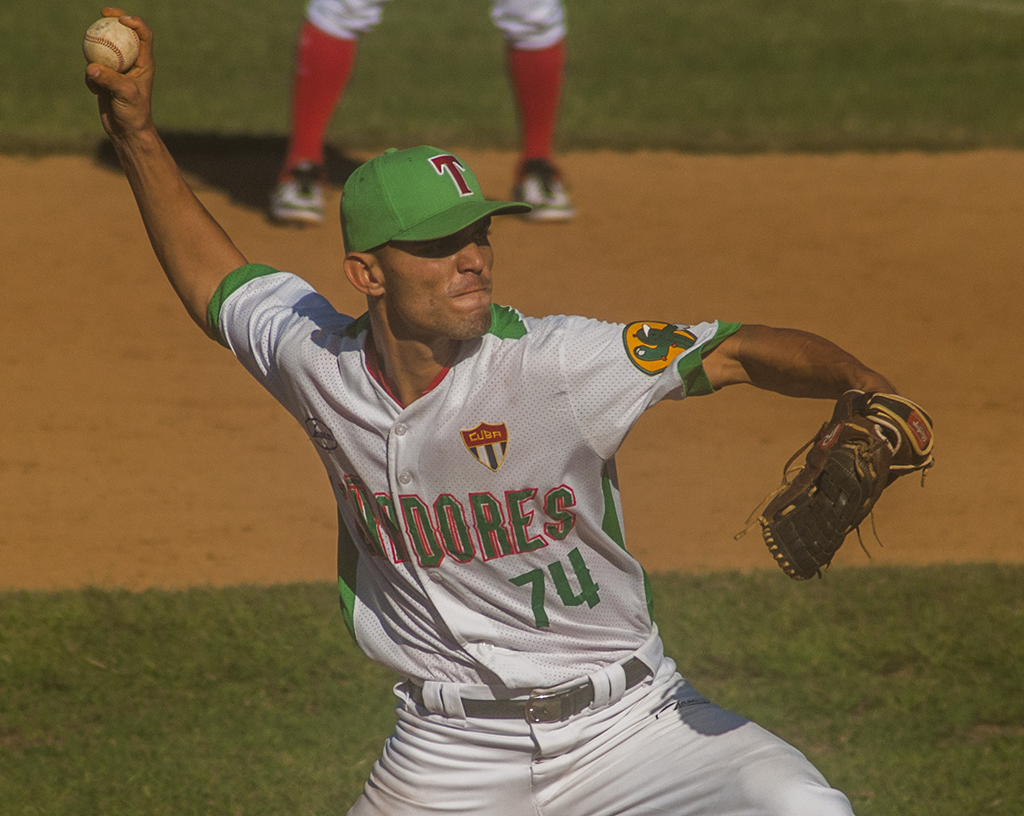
column 299, row 199
column 540, row 185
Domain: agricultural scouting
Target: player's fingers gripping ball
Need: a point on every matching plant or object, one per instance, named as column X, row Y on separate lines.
column 871, row 440
column 112, row 44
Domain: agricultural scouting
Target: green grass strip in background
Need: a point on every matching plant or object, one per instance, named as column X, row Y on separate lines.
column 903, row 685
column 702, row 75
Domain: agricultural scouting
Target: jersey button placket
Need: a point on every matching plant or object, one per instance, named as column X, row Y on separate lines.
column 398, row 434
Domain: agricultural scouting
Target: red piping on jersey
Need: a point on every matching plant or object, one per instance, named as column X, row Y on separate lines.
column 372, row 366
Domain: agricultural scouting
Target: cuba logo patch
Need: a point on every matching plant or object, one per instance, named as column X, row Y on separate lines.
column 652, row 347
column 487, row 443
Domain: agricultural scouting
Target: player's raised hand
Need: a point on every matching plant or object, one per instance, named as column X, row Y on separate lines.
column 124, row 99
column 195, row 253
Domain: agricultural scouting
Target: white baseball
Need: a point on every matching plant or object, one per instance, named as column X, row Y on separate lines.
column 112, row 44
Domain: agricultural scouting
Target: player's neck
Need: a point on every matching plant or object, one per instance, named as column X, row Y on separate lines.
column 408, row 368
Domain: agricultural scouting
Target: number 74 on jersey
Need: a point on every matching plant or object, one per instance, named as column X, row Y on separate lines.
column 537, row 580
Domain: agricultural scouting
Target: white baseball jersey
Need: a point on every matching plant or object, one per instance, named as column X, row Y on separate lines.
column 480, row 530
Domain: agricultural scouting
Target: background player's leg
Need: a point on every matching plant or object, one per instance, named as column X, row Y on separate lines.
column 325, row 56
column 537, row 80
column 323, row 66
column 534, row 33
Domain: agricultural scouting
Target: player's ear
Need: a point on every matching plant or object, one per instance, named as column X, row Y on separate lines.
column 364, row 273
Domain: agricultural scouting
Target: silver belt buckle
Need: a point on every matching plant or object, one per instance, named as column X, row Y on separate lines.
column 544, row 708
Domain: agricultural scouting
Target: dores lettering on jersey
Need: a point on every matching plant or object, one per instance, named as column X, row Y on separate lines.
column 481, row 524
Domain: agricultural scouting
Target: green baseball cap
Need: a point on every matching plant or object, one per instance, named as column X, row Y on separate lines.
column 413, row 195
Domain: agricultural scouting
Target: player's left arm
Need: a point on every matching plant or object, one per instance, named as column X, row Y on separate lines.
column 791, row 362
column 874, row 437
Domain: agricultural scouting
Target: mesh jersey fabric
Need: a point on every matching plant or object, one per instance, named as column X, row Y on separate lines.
column 480, row 529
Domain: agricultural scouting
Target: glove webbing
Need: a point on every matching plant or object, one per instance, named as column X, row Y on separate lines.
column 830, row 514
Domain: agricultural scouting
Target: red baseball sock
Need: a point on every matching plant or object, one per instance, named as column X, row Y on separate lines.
column 537, row 81
column 323, row 67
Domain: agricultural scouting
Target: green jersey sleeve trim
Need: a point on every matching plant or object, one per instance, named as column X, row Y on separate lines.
column 231, row 284
column 506, row 323
column 357, row 326
column 691, row 366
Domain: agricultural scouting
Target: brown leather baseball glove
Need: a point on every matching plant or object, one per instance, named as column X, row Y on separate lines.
column 871, row 440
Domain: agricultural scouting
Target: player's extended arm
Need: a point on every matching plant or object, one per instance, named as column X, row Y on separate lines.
column 195, row 253
column 791, row 362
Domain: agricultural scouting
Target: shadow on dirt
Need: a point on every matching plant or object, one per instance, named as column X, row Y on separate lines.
column 243, row 167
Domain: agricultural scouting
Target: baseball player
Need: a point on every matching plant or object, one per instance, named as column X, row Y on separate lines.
column 471, row 450
column 534, row 32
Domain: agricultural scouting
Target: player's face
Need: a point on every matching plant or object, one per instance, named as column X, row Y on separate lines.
column 439, row 288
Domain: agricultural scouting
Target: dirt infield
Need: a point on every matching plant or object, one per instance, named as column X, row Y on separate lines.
column 137, row 453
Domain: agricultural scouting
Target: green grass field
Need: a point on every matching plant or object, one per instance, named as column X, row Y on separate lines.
column 707, row 75
column 902, row 685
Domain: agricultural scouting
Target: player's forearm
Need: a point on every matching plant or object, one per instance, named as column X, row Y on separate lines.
column 790, row 362
column 195, row 253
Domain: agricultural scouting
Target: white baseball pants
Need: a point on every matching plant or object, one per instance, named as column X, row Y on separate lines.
column 526, row 24
column 661, row 749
